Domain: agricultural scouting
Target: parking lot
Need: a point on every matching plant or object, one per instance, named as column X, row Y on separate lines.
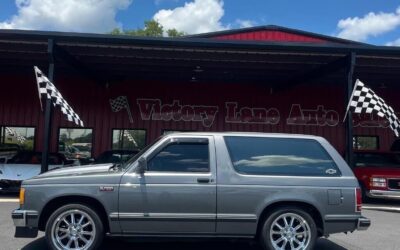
column 383, row 234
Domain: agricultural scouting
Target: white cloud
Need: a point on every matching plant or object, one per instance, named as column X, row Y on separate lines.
column 372, row 24
column 394, row 43
column 66, row 15
column 245, row 23
column 199, row 16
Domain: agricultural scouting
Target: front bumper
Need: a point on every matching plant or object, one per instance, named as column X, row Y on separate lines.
column 21, row 219
column 363, row 223
column 384, row 194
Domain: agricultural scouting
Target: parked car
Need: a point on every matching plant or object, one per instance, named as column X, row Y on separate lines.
column 378, row 174
column 7, row 151
column 285, row 190
column 115, row 156
column 25, row 165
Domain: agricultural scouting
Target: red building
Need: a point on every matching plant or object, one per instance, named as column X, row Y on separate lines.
column 264, row 79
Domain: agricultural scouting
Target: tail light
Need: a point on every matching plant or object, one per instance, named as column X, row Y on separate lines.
column 358, row 200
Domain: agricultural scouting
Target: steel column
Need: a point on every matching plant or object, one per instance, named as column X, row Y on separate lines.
column 349, row 120
column 48, row 112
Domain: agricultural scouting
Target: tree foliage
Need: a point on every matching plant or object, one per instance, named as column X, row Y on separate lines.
column 152, row 28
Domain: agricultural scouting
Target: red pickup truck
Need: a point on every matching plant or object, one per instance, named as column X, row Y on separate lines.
column 378, row 174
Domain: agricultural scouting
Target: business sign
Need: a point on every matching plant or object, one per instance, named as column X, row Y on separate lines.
column 234, row 113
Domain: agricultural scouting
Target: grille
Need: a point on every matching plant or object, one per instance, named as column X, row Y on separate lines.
column 394, row 183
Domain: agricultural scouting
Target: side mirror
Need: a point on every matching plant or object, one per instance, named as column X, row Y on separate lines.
column 142, row 166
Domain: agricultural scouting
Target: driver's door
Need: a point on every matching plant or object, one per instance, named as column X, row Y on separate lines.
column 177, row 192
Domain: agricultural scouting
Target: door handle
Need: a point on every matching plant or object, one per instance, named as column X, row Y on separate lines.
column 203, row 180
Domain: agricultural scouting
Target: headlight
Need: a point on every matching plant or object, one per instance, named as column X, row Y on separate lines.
column 378, row 182
column 22, row 196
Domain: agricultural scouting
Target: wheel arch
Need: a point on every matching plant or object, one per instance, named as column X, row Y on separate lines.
column 307, row 207
column 60, row 201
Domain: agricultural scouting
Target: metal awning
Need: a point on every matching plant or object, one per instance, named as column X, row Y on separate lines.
column 112, row 58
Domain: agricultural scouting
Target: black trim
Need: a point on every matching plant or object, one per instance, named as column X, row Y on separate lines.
column 17, row 216
column 235, row 220
column 32, row 216
column 164, row 219
column 180, row 235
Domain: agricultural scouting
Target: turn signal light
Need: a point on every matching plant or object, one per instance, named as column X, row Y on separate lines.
column 22, row 196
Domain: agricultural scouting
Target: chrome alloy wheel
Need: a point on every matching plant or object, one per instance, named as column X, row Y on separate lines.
column 290, row 231
column 73, row 229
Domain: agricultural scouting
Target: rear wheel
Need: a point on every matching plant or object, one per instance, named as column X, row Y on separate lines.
column 289, row 228
column 74, row 226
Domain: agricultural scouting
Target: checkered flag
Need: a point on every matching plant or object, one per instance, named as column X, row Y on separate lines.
column 49, row 91
column 364, row 100
column 130, row 137
column 121, row 102
column 21, row 138
column 12, row 132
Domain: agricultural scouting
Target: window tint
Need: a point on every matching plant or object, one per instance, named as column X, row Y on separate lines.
column 182, row 157
column 280, row 156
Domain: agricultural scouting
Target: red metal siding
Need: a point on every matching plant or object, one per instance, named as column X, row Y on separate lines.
column 272, row 36
column 19, row 106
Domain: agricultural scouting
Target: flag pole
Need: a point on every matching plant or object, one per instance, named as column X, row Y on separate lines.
column 48, row 110
column 351, row 98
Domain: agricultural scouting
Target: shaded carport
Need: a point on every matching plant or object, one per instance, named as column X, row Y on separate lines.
column 108, row 59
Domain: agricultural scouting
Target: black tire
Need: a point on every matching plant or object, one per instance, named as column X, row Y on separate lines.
column 364, row 196
column 265, row 238
column 89, row 215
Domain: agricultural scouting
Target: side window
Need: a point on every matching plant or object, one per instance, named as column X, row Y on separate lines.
column 280, row 156
column 181, row 157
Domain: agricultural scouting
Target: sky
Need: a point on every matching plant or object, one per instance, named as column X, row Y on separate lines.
column 370, row 21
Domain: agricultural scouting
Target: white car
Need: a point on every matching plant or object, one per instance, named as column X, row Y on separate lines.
column 25, row 165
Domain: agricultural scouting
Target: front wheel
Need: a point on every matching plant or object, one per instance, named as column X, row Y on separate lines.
column 289, row 228
column 74, row 226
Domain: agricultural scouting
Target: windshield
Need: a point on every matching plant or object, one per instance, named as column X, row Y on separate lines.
column 377, row 160
column 138, row 155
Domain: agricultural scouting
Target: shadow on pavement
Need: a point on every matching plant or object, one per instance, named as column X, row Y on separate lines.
column 124, row 244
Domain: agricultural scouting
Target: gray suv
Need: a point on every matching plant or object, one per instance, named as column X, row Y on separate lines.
column 283, row 190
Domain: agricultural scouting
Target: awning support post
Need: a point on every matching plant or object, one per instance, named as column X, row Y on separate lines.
column 349, row 121
column 48, row 111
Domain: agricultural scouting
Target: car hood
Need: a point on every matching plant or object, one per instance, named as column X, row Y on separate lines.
column 20, row 172
column 73, row 171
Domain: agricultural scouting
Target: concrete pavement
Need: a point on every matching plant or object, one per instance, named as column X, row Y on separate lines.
column 383, row 234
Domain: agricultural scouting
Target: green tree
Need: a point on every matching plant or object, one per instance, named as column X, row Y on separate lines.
column 152, row 28
column 175, row 33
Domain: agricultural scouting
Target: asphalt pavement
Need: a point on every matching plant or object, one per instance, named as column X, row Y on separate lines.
column 384, row 234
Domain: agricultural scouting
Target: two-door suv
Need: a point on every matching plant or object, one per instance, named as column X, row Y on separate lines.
column 284, row 190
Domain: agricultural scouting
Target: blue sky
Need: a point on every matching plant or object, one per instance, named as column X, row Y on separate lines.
column 371, row 21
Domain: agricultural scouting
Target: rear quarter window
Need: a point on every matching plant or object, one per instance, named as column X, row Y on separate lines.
column 280, row 156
